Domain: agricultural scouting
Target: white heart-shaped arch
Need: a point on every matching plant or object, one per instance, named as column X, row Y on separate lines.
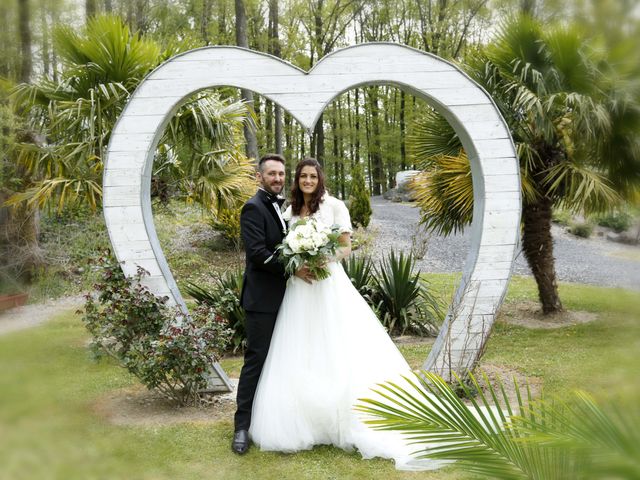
column 467, row 107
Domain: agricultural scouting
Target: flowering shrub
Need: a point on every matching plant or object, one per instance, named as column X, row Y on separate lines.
column 164, row 349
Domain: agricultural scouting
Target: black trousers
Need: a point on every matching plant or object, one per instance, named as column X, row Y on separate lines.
column 259, row 328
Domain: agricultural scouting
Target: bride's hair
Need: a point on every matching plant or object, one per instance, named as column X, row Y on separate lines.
column 297, row 199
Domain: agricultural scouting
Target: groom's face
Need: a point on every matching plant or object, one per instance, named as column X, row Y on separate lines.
column 271, row 176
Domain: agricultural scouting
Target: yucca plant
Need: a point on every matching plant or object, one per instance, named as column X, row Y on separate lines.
column 224, row 297
column 359, row 269
column 500, row 438
column 401, row 299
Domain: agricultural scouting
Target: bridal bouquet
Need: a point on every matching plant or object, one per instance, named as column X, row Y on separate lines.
column 309, row 241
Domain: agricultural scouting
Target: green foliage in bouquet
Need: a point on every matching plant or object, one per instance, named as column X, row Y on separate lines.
column 224, row 298
column 311, row 243
column 166, row 350
column 359, row 202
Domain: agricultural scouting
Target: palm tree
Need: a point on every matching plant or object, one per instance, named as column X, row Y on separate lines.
column 76, row 114
column 566, row 119
column 496, row 437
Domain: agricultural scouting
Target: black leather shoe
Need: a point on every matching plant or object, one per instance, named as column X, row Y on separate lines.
column 240, row 443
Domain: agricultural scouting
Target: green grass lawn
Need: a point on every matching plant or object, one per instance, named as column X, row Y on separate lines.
column 49, row 386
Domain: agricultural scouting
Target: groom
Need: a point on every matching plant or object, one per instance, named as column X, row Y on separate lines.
column 262, row 228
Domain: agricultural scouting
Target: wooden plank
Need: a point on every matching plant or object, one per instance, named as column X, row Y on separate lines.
column 123, row 234
column 499, row 166
column 160, row 105
column 134, row 249
column 130, row 266
column 123, row 177
column 126, row 215
column 501, row 147
column 501, row 183
column 125, row 160
column 458, row 96
column 475, row 113
column 148, row 124
column 499, row 236
column 485, row 130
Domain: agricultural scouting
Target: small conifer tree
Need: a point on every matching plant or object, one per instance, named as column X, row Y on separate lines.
column 359, row 204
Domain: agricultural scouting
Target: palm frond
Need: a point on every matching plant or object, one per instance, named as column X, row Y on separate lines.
column 476, row 436
column 495, row 436
column 580, row 188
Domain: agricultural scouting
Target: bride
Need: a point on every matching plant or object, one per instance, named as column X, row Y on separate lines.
column 328, row 349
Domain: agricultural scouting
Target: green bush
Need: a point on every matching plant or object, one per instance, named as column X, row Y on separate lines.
column 224, row 297
column 227, row 222
column 618, row 221
column 561, row 217
column 583, row 230
column 402, row 300
column 359, row 201
column 166, row 350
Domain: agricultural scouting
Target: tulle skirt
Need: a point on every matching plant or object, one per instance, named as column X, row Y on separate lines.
column 328, row 349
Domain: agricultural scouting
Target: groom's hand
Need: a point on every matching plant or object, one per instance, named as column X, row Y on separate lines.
column 304, row 274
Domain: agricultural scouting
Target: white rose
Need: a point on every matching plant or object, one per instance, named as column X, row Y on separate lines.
column 319, row 239
column 294, row 244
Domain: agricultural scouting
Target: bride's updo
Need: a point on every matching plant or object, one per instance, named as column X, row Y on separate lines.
column 297, row 198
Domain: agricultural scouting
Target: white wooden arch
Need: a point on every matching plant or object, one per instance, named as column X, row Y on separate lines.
column 467, row 107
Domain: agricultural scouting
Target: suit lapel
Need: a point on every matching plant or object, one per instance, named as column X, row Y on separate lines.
column 262, row 197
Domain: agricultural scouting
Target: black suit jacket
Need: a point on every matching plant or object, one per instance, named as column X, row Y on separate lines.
column 261, row 230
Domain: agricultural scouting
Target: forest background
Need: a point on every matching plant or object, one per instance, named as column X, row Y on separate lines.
column 59, row 103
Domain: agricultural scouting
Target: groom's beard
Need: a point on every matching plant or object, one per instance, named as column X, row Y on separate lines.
column 274, row 189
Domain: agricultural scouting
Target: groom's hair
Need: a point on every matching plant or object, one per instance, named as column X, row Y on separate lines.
column 270, row 156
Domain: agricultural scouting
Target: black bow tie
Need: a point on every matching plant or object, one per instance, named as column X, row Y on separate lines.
column 273, row 198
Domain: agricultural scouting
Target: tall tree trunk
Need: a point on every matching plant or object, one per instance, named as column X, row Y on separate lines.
column 25, row 40
column 268, row 125
column 352, row 154
column 537, row 246
column 403, row 147
column 247, row 95
column 5, row 59
column 334, row 149
column 356, row 114
column 141, row 15
column 108, row 6
column 302, row 149
column 289, row 148
column 204, row 21
column 528, row 7
column 90, row 8
column 374, row 144
column 275, row 49
column 318, row 133
column 46, row 58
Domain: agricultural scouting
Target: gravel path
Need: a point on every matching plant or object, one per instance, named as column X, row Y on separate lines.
column 594, row 261
column 31, row 315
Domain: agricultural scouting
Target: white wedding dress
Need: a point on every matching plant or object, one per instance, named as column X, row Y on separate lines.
column 328, row 349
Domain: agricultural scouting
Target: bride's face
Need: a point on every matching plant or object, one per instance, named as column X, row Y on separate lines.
column 308, row 181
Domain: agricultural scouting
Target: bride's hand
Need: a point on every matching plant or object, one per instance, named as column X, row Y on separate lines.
column 305, row 274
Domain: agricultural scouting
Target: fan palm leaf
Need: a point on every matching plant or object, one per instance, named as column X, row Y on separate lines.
column 495, row 436
column 102, row 66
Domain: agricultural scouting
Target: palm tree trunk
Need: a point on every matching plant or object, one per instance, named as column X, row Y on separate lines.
column 537, row 246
